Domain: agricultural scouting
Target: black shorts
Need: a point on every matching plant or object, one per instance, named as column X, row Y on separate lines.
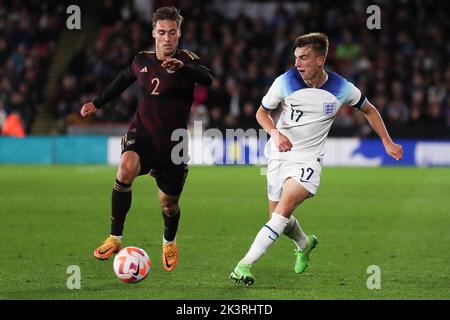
column 170, row 177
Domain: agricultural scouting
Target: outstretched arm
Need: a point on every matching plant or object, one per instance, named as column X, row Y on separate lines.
column 376, row 122
column 123, row 81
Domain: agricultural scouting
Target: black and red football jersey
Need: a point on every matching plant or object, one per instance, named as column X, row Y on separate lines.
column 165, row 97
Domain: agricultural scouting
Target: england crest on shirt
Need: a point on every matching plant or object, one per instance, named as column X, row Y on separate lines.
column 329, row 108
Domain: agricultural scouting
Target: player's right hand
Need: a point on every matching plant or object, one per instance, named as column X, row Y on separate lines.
column 172, row 64
column 88, row 109
column 282, row 142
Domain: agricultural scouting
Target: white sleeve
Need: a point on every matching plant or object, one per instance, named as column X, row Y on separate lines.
column 354, row 97
column 274, row 96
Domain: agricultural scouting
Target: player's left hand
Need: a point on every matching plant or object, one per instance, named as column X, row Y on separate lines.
column 394, row 150
column 172, row 64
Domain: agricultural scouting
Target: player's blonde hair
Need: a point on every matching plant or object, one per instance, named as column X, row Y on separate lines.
column 167, row 13
column 317, row 41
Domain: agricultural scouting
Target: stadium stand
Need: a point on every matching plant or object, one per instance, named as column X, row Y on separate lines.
column 403, row 68
column 28, row 37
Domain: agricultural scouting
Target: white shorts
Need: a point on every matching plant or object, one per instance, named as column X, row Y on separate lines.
column 307, row 174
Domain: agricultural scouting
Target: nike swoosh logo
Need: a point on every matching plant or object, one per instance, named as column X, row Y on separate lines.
column 136, row 273
column 301, row 180
column 296, row 105
column 272, row 238
column 102, row 252
column 167, row 262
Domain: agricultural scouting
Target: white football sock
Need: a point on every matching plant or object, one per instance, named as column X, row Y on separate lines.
column 265, row 238
column 169, row 242
column 295, row 232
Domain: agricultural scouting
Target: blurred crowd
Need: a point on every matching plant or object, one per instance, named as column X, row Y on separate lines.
column 403, row 68
column 28, row 35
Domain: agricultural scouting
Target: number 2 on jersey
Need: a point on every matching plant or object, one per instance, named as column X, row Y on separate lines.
column 155, row 91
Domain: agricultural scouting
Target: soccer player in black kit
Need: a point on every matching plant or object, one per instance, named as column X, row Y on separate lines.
column 166, row 79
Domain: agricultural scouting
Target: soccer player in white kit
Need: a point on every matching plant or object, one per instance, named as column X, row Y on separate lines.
column 309, row 98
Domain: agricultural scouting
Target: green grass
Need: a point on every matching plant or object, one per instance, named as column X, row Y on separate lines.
column 397, row 218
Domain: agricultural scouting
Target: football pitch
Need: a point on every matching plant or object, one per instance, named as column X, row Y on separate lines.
column 398, row 219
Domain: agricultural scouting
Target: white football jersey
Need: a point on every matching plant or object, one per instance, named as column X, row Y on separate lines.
column 307, row 113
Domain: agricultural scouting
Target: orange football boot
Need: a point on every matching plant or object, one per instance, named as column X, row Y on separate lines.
column 170, row 256
column 110, row 245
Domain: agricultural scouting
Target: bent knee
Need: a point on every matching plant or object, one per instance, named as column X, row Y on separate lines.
column 127, row 173
column 169, row 208
column 285, row 209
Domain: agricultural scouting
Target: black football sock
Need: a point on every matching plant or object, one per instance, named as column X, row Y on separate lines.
column 121, row 203
column 171, row 225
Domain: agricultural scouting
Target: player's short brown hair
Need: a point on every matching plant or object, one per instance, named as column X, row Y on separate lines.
column 317, row 41
column 167, row 13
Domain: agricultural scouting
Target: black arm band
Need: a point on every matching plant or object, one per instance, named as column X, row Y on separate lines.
column 201, row 74
column 360, row 103
column 123, row 81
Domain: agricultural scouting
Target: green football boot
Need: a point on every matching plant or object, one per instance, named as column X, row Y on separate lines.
column 302, row 257
column 242, row 273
